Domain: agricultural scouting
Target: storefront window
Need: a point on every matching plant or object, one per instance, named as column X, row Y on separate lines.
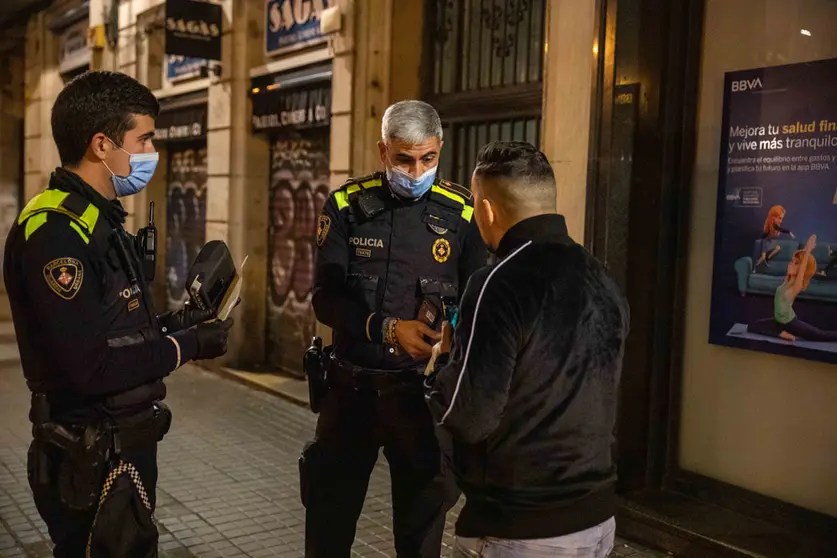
column 768, row 139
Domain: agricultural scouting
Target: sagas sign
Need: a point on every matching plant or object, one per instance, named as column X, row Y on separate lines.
column 293, row 24
column 193, row 29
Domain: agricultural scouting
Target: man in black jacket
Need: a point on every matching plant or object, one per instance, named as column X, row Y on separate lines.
column 529, row 389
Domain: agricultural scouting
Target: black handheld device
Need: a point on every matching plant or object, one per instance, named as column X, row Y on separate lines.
column 147, row 246
column 211, row 275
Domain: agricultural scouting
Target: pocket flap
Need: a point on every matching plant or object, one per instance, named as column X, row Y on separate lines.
column 441, row 217
column 429, row 286
column 362, row 282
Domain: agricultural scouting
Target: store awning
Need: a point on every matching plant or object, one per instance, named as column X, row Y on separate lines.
column 182, row 118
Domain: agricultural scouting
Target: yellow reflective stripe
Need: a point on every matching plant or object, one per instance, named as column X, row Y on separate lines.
column 467, row 210
column 48, row 199
column 342, row 199
column 51, row 200
column 448, row 194
column 77, row 229
column 342, row 196
column 90, row 217
column 34, row 224
column 467, row 213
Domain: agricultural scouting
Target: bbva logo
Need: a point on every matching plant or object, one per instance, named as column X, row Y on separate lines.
column 746, row 84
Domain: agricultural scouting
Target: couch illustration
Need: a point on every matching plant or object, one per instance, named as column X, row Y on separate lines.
column 769, row 276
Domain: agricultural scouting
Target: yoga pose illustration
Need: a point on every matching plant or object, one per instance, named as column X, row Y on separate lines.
column 770, row 237
column 786, row 324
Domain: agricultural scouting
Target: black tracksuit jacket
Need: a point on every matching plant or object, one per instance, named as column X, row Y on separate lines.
column 529, row 390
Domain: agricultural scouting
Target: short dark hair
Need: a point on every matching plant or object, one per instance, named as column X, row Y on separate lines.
column 519, row 175
column 97, row 102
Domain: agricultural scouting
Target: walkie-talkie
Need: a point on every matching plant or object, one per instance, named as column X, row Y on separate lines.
column 147, row 246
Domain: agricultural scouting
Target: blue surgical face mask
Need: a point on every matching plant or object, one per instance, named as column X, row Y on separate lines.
column 143, row 166
column 404, row 185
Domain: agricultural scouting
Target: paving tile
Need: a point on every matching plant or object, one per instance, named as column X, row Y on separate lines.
column 228, row 483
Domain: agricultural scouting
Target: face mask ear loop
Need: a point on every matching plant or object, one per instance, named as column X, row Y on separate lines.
column 107, row 167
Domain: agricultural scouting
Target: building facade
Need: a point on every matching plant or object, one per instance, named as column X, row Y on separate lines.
column 722, row 451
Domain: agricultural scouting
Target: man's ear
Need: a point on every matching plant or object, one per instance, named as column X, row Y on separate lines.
column 101, row 146
column 490, row 214
column 382, row 151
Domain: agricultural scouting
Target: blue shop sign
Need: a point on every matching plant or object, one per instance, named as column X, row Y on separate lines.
column 293, row 24
column 183, row 67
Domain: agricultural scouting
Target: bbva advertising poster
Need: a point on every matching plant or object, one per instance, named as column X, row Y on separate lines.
column 774, row 283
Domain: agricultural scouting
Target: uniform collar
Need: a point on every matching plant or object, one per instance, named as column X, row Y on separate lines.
column 68, row 181
column 548, row 228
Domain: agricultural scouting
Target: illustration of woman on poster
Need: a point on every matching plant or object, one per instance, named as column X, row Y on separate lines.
column 770, row 237
column 785, row 323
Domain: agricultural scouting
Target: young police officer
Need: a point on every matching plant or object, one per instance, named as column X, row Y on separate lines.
column 93, row 351
column 395, row 248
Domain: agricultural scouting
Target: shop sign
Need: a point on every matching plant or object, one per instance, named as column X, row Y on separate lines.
column 293, row 24
column 181, row 67
column 73, row 50
column 193, row 29
column 300, row 108
column 181, row 124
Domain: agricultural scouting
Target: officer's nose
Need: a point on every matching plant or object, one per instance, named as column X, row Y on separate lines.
column 419, row 169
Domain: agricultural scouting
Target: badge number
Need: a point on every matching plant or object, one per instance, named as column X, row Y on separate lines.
column 441, row 250
column 323, row 224
column 64, row 276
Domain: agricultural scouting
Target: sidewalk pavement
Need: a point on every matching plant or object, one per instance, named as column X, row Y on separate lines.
column 228, row 482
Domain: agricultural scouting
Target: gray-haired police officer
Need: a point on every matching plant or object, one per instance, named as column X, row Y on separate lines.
column 394, row 249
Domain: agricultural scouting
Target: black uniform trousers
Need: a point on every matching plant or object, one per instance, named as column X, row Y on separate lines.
column 68, row 528
column 352, row 427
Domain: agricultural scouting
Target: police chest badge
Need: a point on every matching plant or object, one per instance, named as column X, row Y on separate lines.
column 323, row 225
column 441, row 250
column 64, row 276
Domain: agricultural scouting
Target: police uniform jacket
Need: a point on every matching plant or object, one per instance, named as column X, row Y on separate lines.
column 85, row 326
column 380, row 256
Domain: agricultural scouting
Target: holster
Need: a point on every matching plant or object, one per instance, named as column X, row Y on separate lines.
column 83, row 462
column 314, row 364
column 87, row 450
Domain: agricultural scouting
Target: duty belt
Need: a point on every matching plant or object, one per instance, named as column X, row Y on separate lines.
column 138, row 429
column 347, row 375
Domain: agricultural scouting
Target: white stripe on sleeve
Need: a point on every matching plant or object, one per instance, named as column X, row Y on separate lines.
column 473, row 328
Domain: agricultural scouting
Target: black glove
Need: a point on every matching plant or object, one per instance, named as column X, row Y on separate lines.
column 184, row 318
column 212, row 339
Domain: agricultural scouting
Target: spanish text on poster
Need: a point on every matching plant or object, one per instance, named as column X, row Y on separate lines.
column 775, row 266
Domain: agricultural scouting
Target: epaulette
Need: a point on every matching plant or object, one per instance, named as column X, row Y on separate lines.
column 363, row 182
column 454, row 196
column 455, row 188
column 354, row 185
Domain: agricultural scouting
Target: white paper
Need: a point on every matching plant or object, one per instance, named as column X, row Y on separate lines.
column 233, row 293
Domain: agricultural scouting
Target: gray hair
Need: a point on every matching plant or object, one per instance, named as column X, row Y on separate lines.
column 411, row 122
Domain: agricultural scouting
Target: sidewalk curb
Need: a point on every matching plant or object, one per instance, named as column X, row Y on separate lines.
column 290, row 389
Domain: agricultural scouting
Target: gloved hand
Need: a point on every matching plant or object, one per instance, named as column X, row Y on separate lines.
column 212, row 339
column 186, row 317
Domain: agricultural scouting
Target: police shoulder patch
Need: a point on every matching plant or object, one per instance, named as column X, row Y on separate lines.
column 64, row 276
column 323, row 224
